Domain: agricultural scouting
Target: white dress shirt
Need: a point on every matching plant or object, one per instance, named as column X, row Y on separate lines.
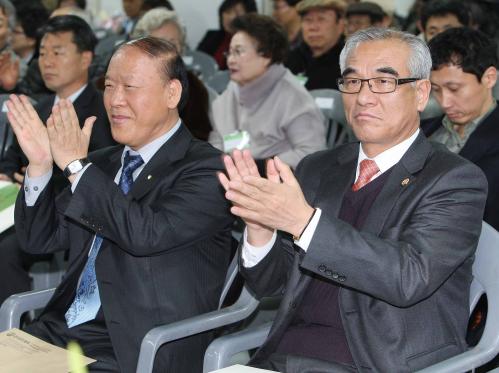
column 252, row 255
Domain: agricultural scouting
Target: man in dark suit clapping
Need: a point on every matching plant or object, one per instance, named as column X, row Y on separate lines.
column 146, row 222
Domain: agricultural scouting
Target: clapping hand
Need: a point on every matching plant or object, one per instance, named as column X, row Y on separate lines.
column 31, row 134
column 68, row 141
column 265, row 204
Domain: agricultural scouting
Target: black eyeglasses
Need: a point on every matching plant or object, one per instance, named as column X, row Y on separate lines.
column 376, row 85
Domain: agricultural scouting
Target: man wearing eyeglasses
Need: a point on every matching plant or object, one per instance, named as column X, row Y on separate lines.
column 371, row 245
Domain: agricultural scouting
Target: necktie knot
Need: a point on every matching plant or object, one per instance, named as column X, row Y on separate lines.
column 367, row 169
column 130, row 164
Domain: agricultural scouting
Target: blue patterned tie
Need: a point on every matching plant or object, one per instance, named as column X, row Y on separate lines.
column 87, row 301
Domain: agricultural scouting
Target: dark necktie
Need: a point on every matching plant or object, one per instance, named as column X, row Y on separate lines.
column 87, row 300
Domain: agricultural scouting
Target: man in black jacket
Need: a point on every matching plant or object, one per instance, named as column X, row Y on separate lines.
column 316, row 60
column 463, row 75
column 66, row 53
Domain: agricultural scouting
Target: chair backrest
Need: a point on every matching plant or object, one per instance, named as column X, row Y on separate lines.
column 495, row 91
column 219, row 81
column 331, row 104
column 202, row 64
column 432, row 109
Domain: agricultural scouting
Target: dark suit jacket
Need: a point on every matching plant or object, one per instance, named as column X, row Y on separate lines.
column 482, row 148
column 405, row 276
column 166, row 244
column 88, row 104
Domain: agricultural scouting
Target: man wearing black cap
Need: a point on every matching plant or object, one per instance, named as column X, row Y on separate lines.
column 360, row 16
column 316, row 60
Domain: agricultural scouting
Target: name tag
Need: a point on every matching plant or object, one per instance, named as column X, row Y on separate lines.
column 236, row 140
column 302, row 79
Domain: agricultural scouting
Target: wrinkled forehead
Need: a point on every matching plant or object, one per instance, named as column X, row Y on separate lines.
column 389, row 56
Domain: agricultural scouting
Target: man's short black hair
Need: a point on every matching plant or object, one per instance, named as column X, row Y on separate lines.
column 32, row 17
column 269, row 36
column 440, row 8
column 170, row 61
column 292, row 2
column 471, row 50
column 83, row 36
column 151, row 4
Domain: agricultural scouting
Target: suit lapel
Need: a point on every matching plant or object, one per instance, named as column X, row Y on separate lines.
column 162, row 163
column 338, row 177
column 402, row 175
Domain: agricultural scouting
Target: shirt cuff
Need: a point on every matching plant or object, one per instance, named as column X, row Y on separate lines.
column 308, row 233
column 34, row 186
column 78, row 177
column 252, row 255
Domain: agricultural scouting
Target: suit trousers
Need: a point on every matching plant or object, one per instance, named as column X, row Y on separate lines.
column 92, row 337
column 285, row 363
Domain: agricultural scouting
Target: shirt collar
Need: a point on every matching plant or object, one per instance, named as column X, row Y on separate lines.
column 72, row 97
column 148, row 150
column 389, row 157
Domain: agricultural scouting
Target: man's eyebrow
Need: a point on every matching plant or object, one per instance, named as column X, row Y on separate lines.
column 388, row 70
column 348, row 70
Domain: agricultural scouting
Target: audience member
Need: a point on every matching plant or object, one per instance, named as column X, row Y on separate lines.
column 440, row 15
column 463, row 75
column 133, row 10
column 264, row 107
column 285, row 14
column 360, row 16
column 82, row 4
column 153, row 249
column 65, row 55
column 164, row 24
column 152, row 4
column 216, row 42
column 29, row 19
column 316, row 59
column 7, row 22
column 377, row 274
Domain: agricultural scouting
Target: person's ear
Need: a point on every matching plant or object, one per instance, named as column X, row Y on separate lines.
column 86, row 59
column 173, row 93
column 423, row 89
column 489, row 77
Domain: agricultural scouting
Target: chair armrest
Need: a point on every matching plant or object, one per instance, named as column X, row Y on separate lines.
column 483, row 352
column 14, row 306
column 219, row 353
column 160, row 335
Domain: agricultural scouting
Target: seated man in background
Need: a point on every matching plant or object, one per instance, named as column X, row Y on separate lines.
column 462, row 77
column 286, row 15
column 372, row 244
column 360, row 16
column 66, row 52
column 315, row 61
column 164, row 24
column 440, row 15
column 146, row 222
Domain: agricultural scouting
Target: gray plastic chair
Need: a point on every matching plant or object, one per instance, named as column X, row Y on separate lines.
column 331, row 104
column 219, row 81
column 202, row 64
column 16, row 305
column 485, row 280
column 432, row 109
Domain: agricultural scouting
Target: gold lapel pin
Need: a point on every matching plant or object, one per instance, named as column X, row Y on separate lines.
column 405, row 182
column 149, row 177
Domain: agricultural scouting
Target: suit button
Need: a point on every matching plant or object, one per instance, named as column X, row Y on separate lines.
column 329, row 273
column 322, row 268
column 342, row 278
column 335, row 275
column 292, row 305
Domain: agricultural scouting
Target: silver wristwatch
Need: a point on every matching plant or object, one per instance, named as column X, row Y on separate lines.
column 75, row 166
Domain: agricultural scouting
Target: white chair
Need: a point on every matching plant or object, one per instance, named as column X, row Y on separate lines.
column 16, row 305
column 485, row 280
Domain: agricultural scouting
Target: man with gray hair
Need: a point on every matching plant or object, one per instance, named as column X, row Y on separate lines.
column 371, row 245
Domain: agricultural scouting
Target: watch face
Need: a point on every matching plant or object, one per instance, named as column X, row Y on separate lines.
column 75, row 166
